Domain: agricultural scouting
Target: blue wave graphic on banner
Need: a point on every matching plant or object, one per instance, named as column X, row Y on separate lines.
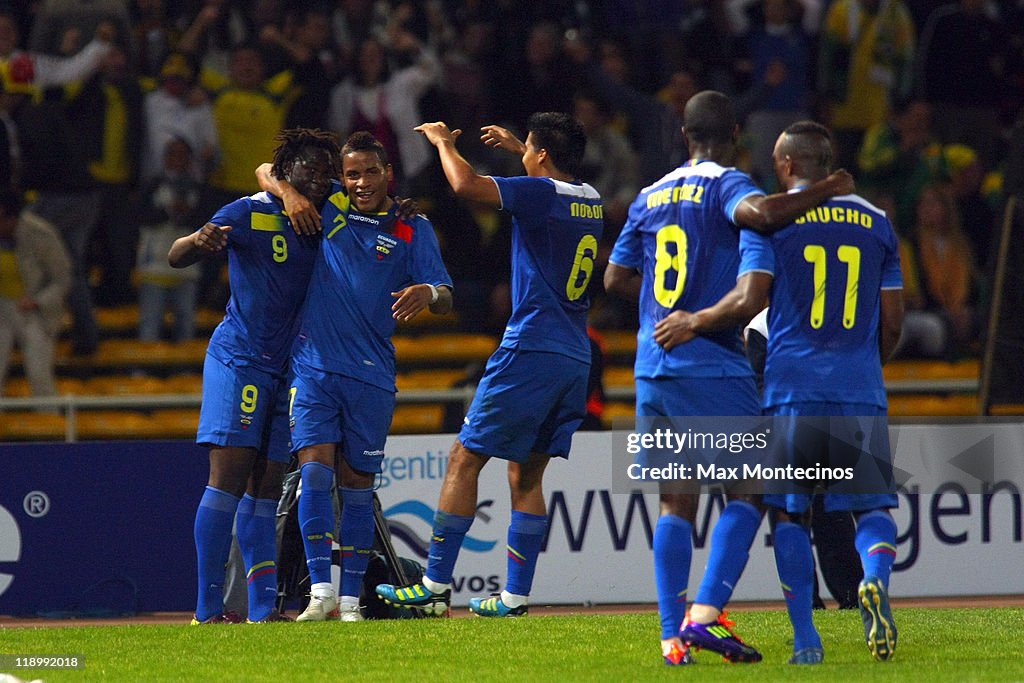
column 424, row 512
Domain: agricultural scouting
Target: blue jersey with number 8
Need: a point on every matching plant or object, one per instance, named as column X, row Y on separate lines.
column 556, row 226
column 681, row 236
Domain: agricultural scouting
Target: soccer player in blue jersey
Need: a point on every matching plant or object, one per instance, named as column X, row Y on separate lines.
column 680, row 250
column 532, row 397
column 836, row 315
column 244, row 416
column 374, row 269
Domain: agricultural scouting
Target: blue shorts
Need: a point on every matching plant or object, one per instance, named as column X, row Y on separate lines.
column 244, row 407
column 703, row 396
column 876, row 433
column 332, row 408
column 527, row 402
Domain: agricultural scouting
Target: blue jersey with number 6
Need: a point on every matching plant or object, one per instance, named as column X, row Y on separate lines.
column 682, row 238
column 556, row 226
column 269, row 267
column 830, row 267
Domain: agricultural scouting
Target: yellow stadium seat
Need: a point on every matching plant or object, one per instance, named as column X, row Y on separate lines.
column 429, row 379
column 619, row 343
column 19, row 387
column 444, row 348
column 32, row 426
column 618, row 411
column 930, row 369
column 1006, row 409
column 177, row 423
column 925, row 405
column 417, row 420
column 184, row 384
column 616, row 376
column 118, row 319
column 111, row 424
column 207, row 319
column 115, row 385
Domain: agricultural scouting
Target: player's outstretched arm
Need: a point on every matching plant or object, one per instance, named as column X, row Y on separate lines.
column 623, row 282
column 205, row 241
column 502, row 138
column 304, row 216
column 414, row 298
column 890, row 322
column 463, row 178
column 767, row 213
column 746, row 300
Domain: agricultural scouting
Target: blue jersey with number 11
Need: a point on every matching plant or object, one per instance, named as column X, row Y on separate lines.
column 555, row 229
column 830, row 267
column 682, row 238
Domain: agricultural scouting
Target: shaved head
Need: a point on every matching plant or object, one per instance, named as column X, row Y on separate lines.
column 809, row 145
column 709, row 118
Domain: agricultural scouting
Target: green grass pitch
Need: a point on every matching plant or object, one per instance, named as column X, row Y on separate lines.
column 935, row 645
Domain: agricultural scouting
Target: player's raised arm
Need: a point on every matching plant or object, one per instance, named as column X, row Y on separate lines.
column 767, row 213
column 304, row 216
column 502, row 138
column 205, row 241
column 463, row 178
column 737, row 308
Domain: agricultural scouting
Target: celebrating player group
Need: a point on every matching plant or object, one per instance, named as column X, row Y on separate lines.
column 324, row 261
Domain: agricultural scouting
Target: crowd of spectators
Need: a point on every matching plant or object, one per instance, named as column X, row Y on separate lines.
column 125, row 121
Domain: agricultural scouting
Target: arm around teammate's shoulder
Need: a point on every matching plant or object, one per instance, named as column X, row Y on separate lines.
column 768, row 213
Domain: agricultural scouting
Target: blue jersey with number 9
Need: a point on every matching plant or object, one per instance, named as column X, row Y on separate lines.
column 269, row 267
column 681, row 236
column 556, row 226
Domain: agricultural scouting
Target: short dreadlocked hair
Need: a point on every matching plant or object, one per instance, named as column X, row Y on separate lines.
column 291, row 143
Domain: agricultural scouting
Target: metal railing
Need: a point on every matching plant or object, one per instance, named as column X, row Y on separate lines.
column 71, row 404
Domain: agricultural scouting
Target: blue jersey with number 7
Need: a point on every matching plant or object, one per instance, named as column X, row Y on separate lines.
column 681, row 236
column 556, row 226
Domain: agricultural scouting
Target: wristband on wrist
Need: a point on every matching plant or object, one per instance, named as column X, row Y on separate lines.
column 433, row 294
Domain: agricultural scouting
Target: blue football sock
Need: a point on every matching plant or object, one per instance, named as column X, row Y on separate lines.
column 356, row 538
column 795, row 564
column 730, row 549
column 876, row 543
column 257, row 539
column 445, row 542
column 673, row 549
column 214, row 519
column 316, row 519
column 525, row 535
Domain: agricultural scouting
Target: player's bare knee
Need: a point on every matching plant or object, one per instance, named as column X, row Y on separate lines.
column 351, row 478
column 679, row 504
column 230, row 468
column 463, row 462
column 269, row 486
column 322, row 453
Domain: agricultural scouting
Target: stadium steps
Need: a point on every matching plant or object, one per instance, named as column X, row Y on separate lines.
column 30, row 426
column 417, row 419
column 443, row 349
